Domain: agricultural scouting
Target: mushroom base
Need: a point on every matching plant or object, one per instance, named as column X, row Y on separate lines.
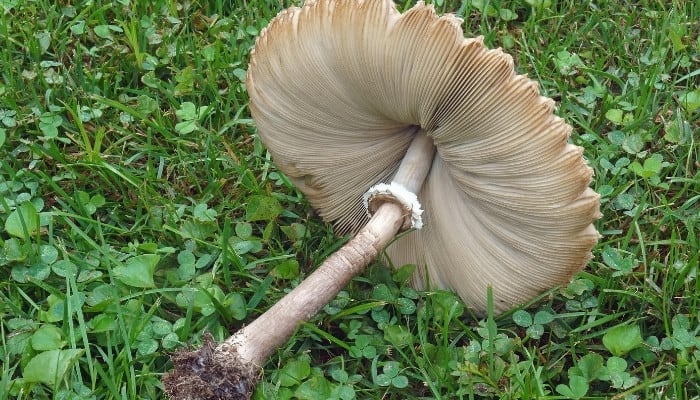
column 206, row 375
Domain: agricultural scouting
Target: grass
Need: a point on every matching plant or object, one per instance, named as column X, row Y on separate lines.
column 138, row 210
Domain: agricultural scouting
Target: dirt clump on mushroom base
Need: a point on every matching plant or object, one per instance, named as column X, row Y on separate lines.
column 200, row 374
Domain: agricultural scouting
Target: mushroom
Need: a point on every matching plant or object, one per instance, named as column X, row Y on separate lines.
column 358, row 105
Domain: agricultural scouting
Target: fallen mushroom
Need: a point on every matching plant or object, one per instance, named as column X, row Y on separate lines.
column 359, row 105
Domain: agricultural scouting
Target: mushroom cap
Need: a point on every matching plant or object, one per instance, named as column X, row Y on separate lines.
column 338, row 89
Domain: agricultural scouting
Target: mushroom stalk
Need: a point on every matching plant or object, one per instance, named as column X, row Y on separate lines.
column 231, row 369
column 255, row 342
column 416, row 163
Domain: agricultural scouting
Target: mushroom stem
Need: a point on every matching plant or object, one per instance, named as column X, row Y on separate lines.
column 415, row 165
column 255, row 342
column 231, row 369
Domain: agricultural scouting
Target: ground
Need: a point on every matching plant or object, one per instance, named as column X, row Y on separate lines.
column 139, row 211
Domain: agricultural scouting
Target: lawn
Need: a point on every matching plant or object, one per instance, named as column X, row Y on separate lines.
column 139, row 210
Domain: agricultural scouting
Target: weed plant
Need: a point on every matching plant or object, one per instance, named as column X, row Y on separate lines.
column 138, row 210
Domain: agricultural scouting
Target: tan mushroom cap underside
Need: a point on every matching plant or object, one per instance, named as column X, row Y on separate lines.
column 338, row 88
